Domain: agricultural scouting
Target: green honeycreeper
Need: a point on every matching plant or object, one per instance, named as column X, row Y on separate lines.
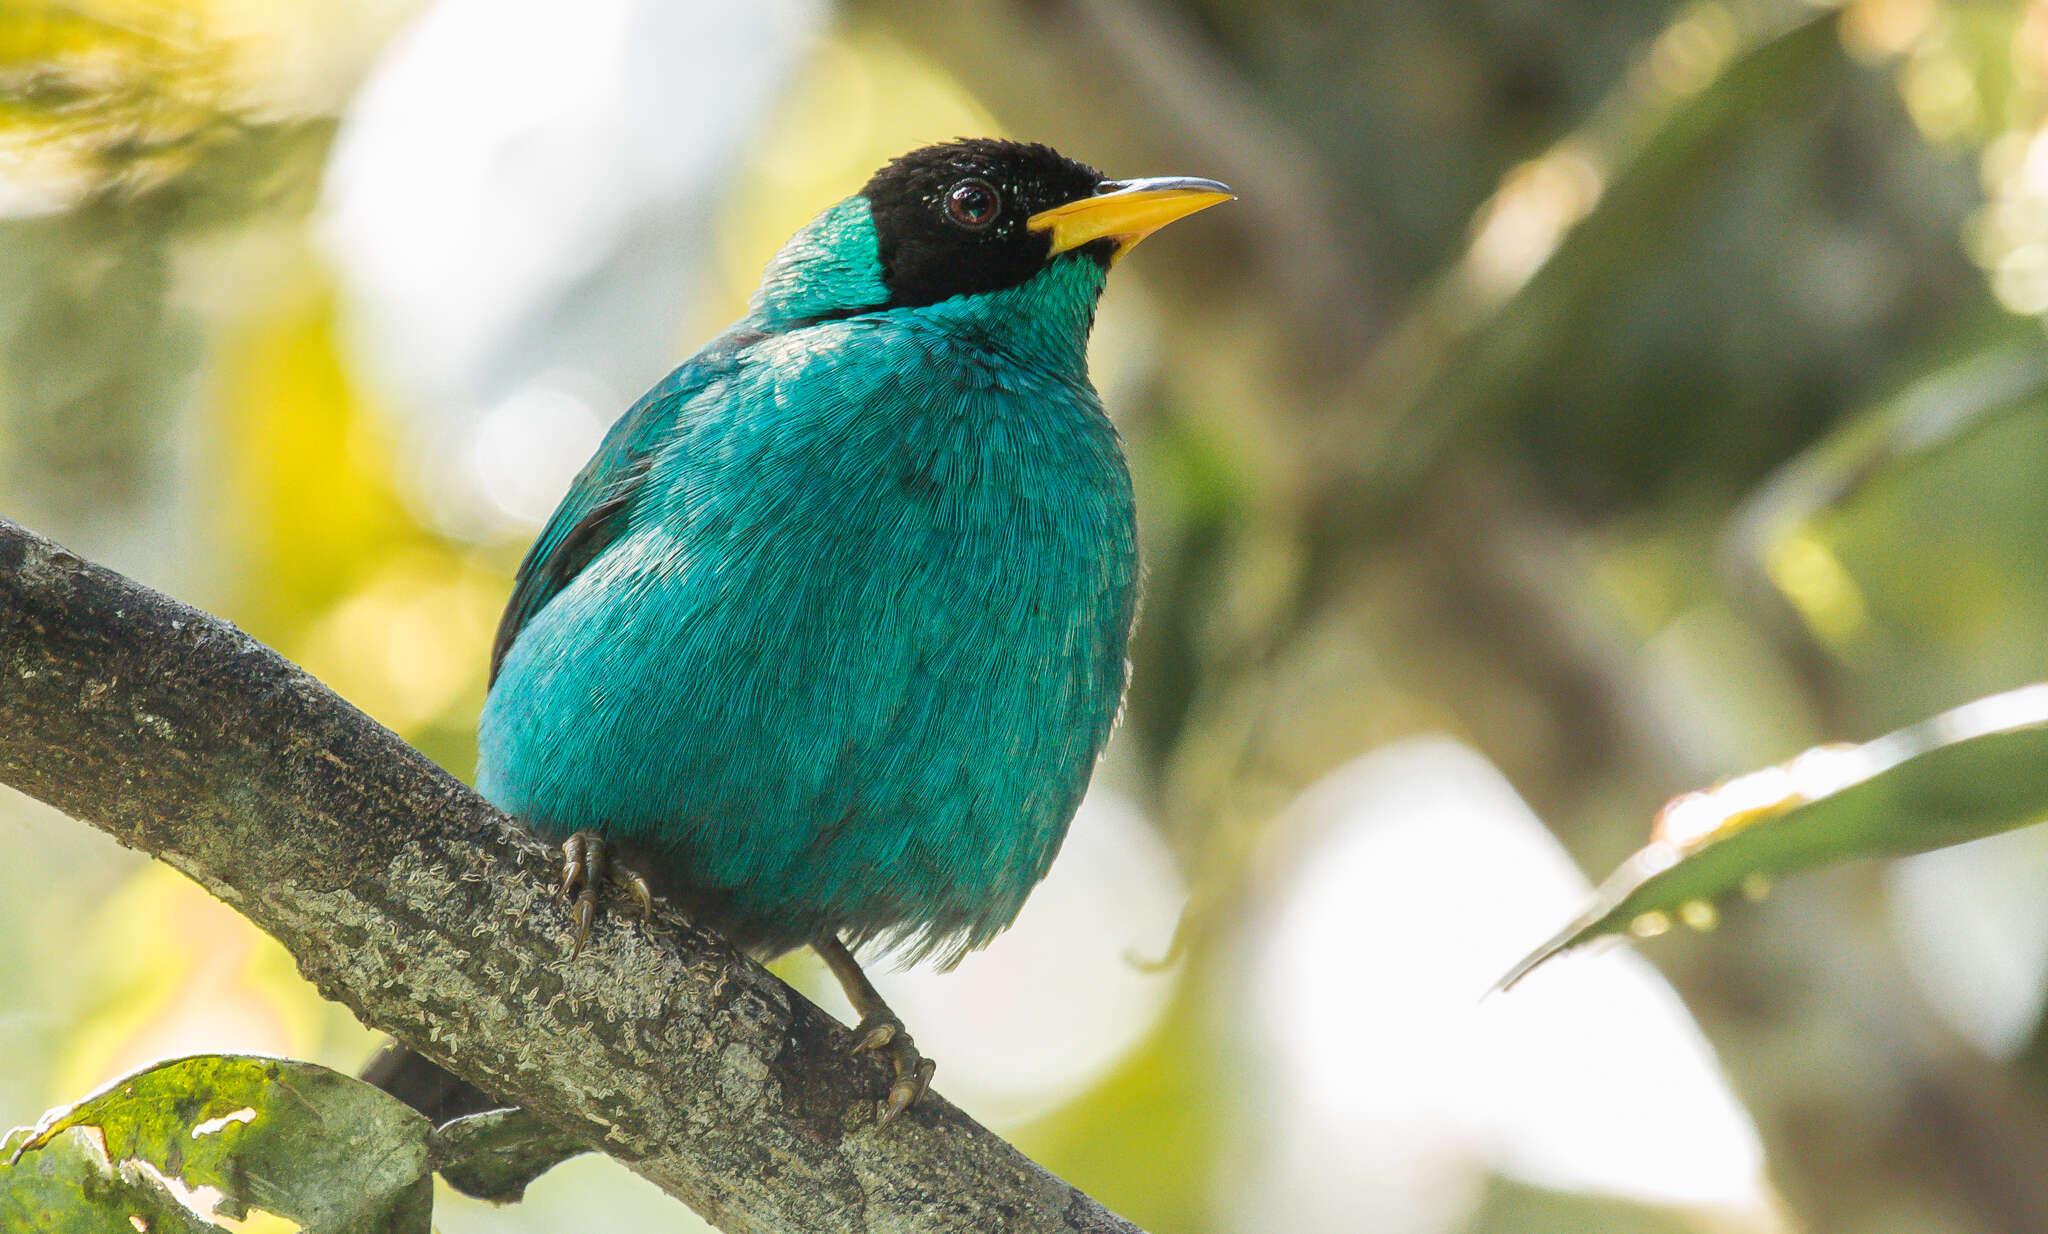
column 824, row 642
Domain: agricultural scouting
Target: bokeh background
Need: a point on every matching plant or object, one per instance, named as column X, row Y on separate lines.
column 1586, row 400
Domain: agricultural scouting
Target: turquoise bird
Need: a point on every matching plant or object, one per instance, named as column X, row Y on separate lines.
column 824, row 642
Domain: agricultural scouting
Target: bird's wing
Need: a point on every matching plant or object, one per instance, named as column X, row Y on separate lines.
column 599, row 504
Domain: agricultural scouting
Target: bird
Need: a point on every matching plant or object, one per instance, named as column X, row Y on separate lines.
column 824, row 642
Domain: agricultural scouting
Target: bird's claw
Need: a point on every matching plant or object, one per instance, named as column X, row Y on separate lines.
column 876, row 1031
column 584, row 913
column 881, row 1030
column 587, row 866
column 637, row 888
column 907, row 1089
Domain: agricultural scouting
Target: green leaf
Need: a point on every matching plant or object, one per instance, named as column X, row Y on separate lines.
column 1975, row 771
column 317, row 1147
column 496, row 1155
column 69, row 1187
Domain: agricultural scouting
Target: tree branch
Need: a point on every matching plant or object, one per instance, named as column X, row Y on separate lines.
column 412, row 901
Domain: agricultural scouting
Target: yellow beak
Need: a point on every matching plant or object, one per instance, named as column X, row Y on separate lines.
column 1126, row 211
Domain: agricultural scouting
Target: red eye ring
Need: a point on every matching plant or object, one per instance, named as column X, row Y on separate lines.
column 973, row 203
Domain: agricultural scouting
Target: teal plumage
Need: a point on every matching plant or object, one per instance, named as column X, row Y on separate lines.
column 858, row 631
column 827, row 637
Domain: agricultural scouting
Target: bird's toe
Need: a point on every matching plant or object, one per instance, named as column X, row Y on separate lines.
column 876, row 1031
column 588, row 868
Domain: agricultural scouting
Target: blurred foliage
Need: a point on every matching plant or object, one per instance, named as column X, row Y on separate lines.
column 1642, row 392
column 125, row 131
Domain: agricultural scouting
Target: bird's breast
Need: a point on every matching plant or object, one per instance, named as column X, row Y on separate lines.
column 855, row 661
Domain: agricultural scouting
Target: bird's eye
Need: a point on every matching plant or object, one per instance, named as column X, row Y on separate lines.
column 973, row 203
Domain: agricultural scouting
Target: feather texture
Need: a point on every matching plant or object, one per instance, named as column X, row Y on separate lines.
column 832, row 630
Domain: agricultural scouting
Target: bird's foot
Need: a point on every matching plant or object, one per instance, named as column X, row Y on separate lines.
column 880, row 1030
column 587, row 869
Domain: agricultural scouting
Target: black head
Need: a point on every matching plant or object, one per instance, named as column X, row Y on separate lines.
column 950, row 219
